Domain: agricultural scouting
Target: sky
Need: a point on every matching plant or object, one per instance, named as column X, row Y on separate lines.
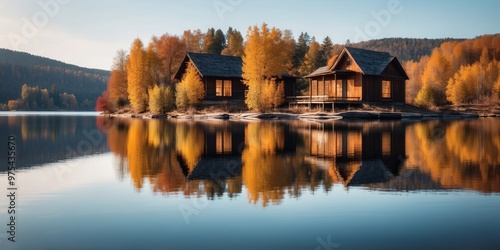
column 89, row 32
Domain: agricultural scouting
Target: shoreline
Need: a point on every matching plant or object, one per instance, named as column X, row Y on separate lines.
column 319, row 116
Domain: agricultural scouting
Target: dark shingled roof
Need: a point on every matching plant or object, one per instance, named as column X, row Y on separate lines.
column 217, row 65
column 371, row 62
column 320, row 71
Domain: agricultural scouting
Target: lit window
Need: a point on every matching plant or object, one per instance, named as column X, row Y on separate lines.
column 228, row 90
column 218, row 88
column 223, row 88
column 386, row 89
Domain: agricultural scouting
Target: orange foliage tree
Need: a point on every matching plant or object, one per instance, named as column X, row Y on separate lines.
column 456, row 72
column 117, row 84
column 171, row 51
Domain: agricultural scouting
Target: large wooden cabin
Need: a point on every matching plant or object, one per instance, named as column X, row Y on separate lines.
column 357, row 76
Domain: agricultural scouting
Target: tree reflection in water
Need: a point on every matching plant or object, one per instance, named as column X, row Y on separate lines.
column 277, row 159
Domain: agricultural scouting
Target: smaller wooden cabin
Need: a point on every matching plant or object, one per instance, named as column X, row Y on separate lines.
column 220, row 74
column 357, row 76
column 222, row 77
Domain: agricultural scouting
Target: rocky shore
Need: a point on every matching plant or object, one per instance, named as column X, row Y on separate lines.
column 324, row 116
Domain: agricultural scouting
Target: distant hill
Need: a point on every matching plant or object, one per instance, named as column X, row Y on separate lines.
column 18, row 68
column 404, row 49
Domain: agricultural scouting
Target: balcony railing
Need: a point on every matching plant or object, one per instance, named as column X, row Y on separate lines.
column 321, row 99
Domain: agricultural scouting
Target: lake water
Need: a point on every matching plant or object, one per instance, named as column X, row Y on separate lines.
column 88, row 182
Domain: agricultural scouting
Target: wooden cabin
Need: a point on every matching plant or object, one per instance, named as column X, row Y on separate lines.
column 222, row 77
column 357, row 76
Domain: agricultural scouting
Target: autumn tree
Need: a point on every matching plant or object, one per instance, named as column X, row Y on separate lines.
column 137, row 76
column 153, row 65
column 171, row 51
column 102, row 103
column 434, row 80
column 117, row 84
column 190, row 91
column 69, row 101
column 467, row 71
column 312, row 59
column 460, row 87
column 414, row 84
column 161, row 99
column 193, row 40
column 264, row 61
column 234, row 43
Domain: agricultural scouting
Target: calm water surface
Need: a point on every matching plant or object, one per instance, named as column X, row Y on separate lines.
column 87, row 182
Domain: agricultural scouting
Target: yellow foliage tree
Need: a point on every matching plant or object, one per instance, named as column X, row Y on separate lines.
column 434, row 80
column 190, row 91
column 460, row 87
column 265, row 59
column 137, row 76
column 161, row 99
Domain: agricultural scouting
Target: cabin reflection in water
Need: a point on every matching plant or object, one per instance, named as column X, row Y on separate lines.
column 273, row 159
column 278, row 159
column 356, row 153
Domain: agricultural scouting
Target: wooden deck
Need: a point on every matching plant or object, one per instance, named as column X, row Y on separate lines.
column 318, row 99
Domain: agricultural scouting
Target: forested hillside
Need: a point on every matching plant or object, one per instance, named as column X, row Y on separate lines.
column 405, row 49
column 19, row 68
column 456, row 73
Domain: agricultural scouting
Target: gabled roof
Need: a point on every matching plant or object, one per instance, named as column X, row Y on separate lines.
column 370, row 62
column 214, row 65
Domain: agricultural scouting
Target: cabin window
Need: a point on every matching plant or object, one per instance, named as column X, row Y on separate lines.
column 223, row 142
column 386, row 89
column 223, row 88
column 228, row 90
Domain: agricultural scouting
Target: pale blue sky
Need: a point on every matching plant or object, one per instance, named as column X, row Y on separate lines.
column 89, row 32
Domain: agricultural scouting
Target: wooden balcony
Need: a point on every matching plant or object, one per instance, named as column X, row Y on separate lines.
column 321, row 99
